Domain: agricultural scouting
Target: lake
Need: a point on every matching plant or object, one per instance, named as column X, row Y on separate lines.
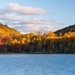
column 37, row 64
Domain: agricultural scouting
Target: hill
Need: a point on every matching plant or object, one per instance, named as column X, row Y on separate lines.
column 71, row 28
column 7, row 31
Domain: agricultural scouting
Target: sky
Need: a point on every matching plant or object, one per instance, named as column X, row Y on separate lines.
column 37, row 15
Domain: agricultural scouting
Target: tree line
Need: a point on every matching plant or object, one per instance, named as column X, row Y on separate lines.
column 38, row 43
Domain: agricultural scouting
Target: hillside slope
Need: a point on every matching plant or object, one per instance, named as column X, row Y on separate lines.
column 65, row 30
column 7, row 31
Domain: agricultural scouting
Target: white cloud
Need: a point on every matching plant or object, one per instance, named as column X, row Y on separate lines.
column 4, row 11
column 17, row 8
column 36, row 28
column 22, row 10
column 28, row 20
column 27, row 24
column 32, row 27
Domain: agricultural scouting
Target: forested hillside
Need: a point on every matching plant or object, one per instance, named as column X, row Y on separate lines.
column 7, row 31
column 71, row 28
column 12, row 41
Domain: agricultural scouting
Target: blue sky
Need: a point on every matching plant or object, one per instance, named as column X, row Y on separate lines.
column 37, row 15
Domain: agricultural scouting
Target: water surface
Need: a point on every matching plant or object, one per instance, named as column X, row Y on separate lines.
column 37, row 64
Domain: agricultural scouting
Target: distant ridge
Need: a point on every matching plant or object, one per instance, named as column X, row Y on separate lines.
column 70, row 28
column 7, row 31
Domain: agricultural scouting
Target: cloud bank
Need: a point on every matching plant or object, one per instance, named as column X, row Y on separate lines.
column 27, row 24
column 27, row 20
column 14, row 7
column 22, row 10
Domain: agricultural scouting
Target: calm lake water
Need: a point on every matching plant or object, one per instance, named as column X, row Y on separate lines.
column 37, row 64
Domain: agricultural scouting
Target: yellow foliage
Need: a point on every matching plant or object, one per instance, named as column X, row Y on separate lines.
column 14, row 41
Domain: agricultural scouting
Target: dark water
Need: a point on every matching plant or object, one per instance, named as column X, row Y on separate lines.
column 37, row 64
